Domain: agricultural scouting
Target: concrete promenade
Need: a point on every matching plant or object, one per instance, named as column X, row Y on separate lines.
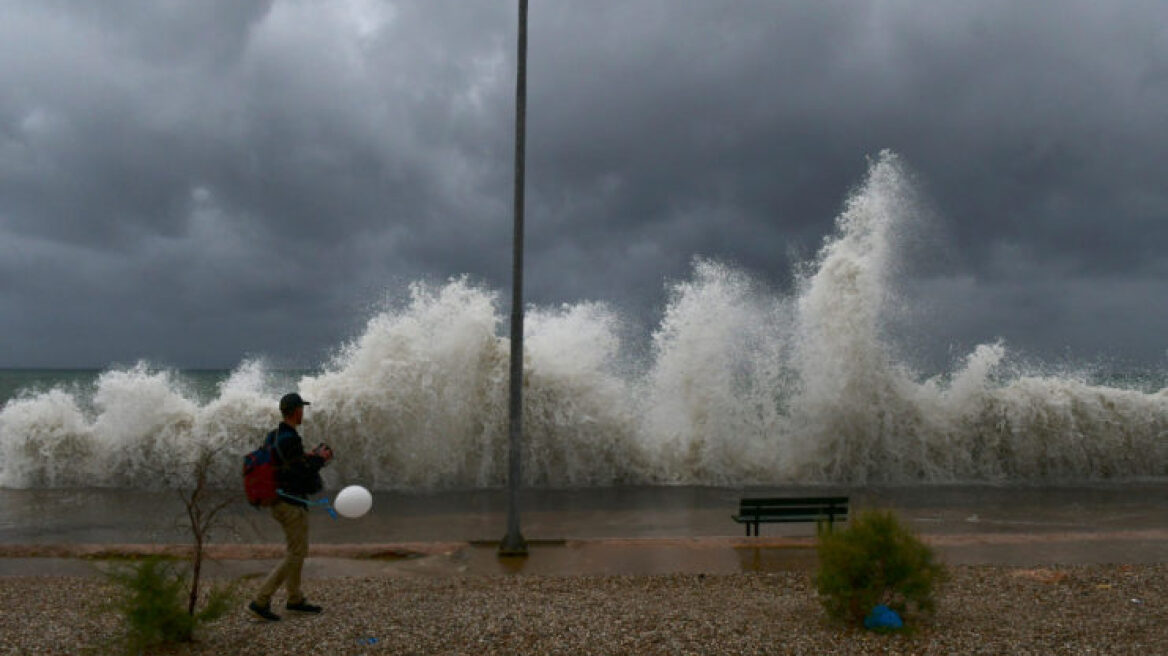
column 590, row 531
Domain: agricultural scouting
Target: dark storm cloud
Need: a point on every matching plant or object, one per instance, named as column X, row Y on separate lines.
column 179, row 181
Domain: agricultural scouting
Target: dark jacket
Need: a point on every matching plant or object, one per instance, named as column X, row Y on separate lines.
column 299, row 473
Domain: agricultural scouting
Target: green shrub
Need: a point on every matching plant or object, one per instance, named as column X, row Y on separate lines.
column 152, row 600
column 875, row 560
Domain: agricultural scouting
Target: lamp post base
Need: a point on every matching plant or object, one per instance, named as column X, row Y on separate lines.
column 513, row 545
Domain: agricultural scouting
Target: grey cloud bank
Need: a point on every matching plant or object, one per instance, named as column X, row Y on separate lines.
column 192, row 183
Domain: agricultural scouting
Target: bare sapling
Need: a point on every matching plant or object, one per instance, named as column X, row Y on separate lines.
column 204, row 507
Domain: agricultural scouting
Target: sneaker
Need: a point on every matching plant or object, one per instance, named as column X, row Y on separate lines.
column 303, row 606
column 262, row 612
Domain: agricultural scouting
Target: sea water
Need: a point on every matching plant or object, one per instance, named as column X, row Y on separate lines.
column 739, row 386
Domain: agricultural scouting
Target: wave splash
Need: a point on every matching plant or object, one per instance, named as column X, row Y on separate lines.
column 742, row 386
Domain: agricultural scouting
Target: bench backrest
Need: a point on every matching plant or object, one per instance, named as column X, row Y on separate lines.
column 794, row 506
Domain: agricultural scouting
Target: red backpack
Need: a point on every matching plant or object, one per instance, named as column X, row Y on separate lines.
column 260, row 468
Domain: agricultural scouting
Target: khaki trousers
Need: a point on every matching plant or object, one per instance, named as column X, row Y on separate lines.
column 294, row 521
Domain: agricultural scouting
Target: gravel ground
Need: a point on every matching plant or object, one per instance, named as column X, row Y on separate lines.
column 1093, row 609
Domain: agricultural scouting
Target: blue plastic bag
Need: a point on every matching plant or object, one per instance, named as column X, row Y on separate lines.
column 883, row 617
column 309, row 502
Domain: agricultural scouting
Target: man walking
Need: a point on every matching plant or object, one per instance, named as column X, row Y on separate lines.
column 299, row 476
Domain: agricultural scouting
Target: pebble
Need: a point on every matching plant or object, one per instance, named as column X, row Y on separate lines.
column 981, row 610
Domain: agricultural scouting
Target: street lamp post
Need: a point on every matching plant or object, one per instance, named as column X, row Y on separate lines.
column 513, row 543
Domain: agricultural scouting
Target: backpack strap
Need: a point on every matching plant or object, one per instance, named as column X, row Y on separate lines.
column 272, row 441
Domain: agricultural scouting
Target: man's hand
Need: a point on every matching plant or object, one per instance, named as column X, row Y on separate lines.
column 323, row 452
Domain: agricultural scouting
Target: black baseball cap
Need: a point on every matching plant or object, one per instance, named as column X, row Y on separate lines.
column 290, row 402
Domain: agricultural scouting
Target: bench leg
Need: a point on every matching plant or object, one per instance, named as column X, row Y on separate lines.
column 830, row 524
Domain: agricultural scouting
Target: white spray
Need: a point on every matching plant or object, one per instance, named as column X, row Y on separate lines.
column 742, row 387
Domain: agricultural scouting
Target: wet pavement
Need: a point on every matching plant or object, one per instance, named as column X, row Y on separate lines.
column 606, row 531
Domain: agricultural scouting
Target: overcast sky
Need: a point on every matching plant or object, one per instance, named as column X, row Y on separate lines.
column 194, row 182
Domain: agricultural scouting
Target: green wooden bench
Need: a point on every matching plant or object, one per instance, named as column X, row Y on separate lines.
column 820, row 510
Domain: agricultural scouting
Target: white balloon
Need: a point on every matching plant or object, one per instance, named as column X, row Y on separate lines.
column 353, row 501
